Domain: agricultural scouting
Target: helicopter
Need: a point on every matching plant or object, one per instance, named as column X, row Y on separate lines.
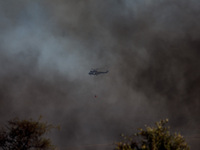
column 95, row 72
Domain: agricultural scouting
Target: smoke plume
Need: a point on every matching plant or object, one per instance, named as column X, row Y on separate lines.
column 151, row 49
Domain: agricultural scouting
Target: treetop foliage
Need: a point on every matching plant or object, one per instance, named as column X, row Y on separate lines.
column 25, row 135
column 154, row 138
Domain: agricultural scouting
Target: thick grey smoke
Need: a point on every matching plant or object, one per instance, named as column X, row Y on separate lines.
column 151, row 49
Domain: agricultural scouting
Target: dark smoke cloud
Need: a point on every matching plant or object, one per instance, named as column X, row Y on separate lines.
column 151, row 49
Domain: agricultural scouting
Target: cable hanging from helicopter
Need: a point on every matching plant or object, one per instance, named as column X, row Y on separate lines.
column 96, row 72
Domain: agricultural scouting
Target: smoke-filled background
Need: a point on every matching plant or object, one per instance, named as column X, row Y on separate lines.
column 150, row 47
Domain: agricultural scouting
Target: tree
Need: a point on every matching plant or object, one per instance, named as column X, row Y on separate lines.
column 25, row 135
column 154, row 138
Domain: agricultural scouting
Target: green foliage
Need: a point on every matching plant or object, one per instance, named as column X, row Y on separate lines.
column 154, row 138
column 25, row 135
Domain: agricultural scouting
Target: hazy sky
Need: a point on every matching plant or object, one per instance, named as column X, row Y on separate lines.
column 151, row 48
